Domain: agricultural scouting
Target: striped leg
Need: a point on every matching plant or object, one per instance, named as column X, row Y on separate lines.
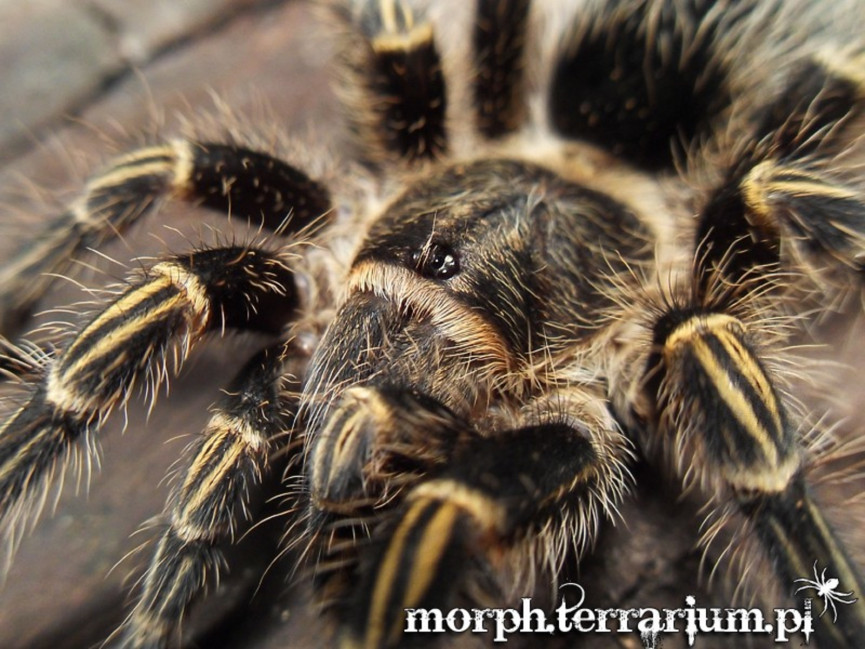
column 159, row 317
column 395, row 93
column 227, row 178
column 213, row 494
column 715, row 396
column 547, row 483
column 376, row 443
column 712, row 390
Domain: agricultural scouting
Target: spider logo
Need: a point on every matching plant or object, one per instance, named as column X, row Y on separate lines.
column 826, row 588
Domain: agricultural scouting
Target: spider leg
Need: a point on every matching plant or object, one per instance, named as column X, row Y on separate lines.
column 498, row 43
column 213, row 495
column 637, row 77
column 547, row 483
column 784, row 198
column 716, row 397
column 160, row 316
column 228, row 178
column 792, row 527
column 779, row 204
column 394, row 91
column 374, row 430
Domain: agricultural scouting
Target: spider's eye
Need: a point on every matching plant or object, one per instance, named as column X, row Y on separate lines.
column 437, row 261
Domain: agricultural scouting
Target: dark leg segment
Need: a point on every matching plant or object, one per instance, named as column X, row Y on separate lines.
column 499, row 41
column 206, row 506
column 234, row 180
column 396, row 95
column 809, row 116
column 227, row 178
column 640, row 76
column 158, row 318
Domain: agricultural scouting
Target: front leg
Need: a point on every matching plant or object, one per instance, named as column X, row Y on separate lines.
column 230, row 179
column 379, row 438
column 486, row 500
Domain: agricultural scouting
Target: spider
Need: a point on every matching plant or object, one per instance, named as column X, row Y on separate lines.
column 578, row 239
column 827, row 589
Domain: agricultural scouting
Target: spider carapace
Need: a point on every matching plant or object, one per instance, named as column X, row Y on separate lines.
column 586, row 248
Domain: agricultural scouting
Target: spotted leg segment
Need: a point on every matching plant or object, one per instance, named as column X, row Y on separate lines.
column 228, row 178
column 395, row 90
column 640, row 78
column 499, row 42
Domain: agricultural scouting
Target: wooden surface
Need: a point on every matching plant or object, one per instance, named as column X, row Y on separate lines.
column 69, row 582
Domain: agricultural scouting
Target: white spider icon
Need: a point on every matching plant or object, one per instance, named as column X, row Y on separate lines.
column 826, row 589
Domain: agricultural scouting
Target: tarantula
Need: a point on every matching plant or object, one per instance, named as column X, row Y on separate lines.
column 592, row 243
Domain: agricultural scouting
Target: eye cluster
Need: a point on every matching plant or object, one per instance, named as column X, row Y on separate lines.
column 437, row 261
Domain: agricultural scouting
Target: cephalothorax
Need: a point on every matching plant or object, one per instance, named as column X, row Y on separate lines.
column 605, row 267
